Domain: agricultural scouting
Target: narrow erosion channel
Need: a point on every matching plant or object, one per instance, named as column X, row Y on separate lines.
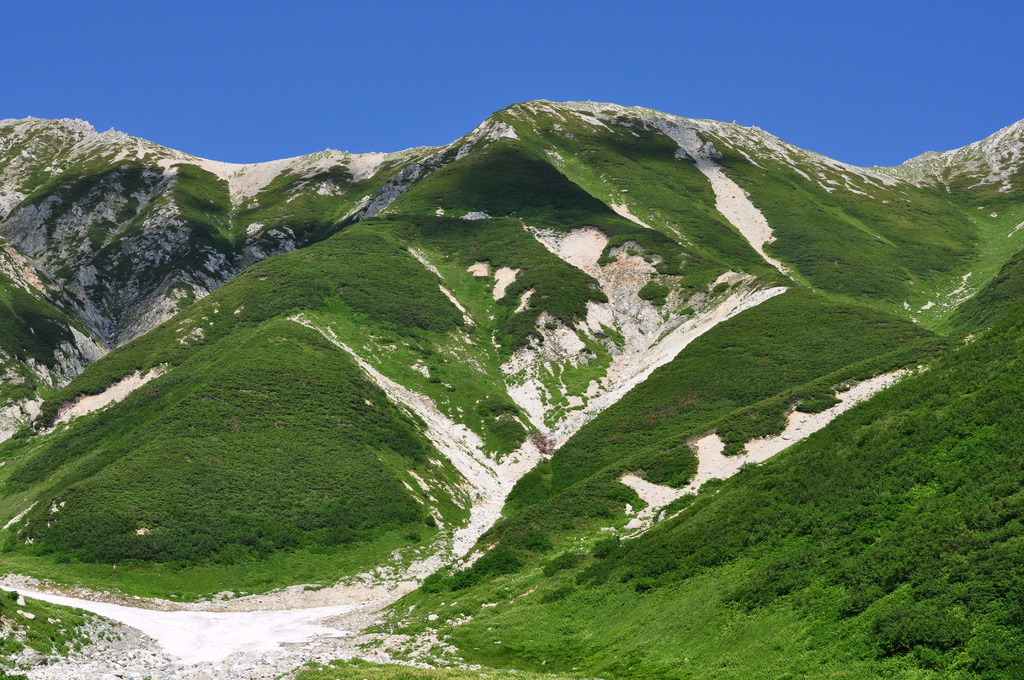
column 713, row 464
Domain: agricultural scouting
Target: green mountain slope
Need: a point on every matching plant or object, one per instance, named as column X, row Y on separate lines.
column 901, row 238
column 124, row 232
column 260, row 437
column 512, row 357
column 883, row 545
column 740, row 380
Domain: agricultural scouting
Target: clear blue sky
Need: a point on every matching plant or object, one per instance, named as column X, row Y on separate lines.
column 865, row 82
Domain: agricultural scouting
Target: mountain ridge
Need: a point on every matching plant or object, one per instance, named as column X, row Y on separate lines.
column 116, row 135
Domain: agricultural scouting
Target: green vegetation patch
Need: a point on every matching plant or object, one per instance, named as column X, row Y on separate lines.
column 32, row 328
column 277, row 444
column 47, row 628
column 891, row 245
column 886, row 545
column 897, row 525
column 995, row 300
column 364, row 670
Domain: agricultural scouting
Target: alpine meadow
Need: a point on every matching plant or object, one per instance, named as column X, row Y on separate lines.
column 592, row 392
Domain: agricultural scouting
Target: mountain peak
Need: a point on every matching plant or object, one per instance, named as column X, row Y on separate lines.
column 993, row 160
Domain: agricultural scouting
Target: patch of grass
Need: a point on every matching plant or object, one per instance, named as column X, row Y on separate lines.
column 364, row 670
column 995, row 300
column 33, row 328
column 321, row 565
column 655, row 293
column 47, row 628
column 884, row 244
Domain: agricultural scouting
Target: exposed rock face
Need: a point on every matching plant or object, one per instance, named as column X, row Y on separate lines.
column 125, row 231
column 112, row 235
column 387, row 194
column 996, row 161
column 69, row 359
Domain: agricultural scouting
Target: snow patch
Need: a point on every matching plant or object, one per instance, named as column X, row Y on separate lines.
column 203, row 637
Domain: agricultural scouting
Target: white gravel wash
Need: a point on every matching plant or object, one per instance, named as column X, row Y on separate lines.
column 623, row 211
column 113, row 394
column 712, row 463
column 503, row 278
column 730, row 199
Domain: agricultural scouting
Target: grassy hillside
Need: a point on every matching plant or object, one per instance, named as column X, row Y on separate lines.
column 263, row 438
column 882, row 546
column 271, row 450
column 915, row 250
column 511, row 179
column 31, row 332
column 230, row 462
column 360, row 670
column 995, row 300
column 740, row 379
